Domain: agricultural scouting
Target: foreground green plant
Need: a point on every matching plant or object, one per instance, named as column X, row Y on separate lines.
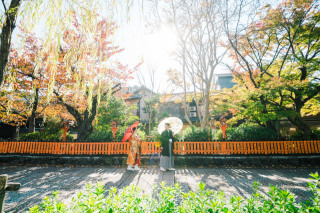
column 172, row 199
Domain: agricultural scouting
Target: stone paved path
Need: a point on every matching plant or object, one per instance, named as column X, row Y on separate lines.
column 39, row 182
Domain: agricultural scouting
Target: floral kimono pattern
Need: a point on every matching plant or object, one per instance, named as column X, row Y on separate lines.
column 134, row 151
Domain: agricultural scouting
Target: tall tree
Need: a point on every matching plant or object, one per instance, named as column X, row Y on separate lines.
column 276, row 58
column 299, row 21
column 85, row 58
column 23, row 100
column 200, row 30
column 9, row 18
column 153, row 98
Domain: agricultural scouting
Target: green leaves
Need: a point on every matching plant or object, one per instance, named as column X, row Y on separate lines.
column 112, row 109
column 248, row 131
column 172, row 199
column 196, row 134
column 276, row 65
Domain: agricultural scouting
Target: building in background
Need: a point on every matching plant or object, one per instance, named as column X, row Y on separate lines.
column 138, row 98
column 171, row 104
column 223, row 80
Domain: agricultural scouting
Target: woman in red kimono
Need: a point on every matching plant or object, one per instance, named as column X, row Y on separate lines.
column 134, row 152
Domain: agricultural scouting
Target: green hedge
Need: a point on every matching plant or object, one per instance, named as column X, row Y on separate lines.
column 106, row 135
column 196, row 134
column 172, row 199
column 248, row 131
column 100, row 136
column 299, row 135
column 52, row 131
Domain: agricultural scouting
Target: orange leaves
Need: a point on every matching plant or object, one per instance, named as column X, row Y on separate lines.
column 259, row 25
column 175, row 77
column 86, row 71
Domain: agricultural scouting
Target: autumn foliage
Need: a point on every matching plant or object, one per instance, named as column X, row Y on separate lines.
column 86, row 70
column 25, row 84
column 276, row 66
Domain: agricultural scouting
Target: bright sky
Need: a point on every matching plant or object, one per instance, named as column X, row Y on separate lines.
column 153, row 48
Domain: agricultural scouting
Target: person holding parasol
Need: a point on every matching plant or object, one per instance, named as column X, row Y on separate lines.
column 134, row 153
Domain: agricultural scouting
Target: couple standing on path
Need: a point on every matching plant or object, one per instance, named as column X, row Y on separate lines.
column 166, row 158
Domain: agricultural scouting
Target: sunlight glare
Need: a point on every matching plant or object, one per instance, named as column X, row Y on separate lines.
column 159, row 46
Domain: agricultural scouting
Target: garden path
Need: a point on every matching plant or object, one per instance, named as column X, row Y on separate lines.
column 39, row 182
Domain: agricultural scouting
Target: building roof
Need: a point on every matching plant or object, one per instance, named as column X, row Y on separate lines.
column 135, row 92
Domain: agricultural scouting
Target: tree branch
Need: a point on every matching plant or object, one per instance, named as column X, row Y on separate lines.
column 4, row 6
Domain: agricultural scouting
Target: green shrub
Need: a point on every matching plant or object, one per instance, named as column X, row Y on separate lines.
column 52, row 131
column 196, row 134
column 101, row 136
column 172, row 199
column 299, row 135
column 106, row 135
column 248, row 131
column 141, row 134
column 112, row 109
column 316, row 133
column 156, row 134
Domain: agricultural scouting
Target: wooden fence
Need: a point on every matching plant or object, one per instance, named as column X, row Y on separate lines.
column 182, row 148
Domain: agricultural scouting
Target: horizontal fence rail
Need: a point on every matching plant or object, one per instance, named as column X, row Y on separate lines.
column 181, row 148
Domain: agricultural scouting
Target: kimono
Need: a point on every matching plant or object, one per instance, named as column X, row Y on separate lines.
column 134, row 151
column 166, row 158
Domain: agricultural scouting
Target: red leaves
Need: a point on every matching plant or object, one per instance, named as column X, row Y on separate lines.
column 259, row 25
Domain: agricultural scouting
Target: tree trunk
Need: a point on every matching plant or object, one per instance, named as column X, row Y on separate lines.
column 301, row 125
column 297, row 118
column 84, row 130
column 32, row 119
column 184, row 101
column 6, row 34
column 84, row 122
column 186, row 115
column 206, row 108
column 85, row 127
column 299, row 103
column 150, row 120
column 17, row 132
column 272, row 125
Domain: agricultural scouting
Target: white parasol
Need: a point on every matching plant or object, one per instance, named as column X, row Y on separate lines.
column 175, row 124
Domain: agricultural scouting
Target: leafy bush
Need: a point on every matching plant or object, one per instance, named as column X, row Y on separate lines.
column 172, row 199
column 196, row 134
column 299, row 135
column 101, row 136
column 316, row 133
column 52, row 131
column 106, row 135
column 248, row 131
column 142, row 134
column 156, row 134
column 112, row 109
